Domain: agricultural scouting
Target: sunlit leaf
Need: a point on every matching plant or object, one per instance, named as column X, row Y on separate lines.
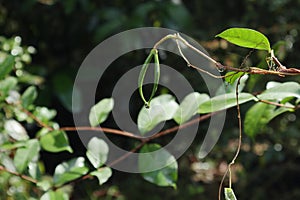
column 102, row 174
column 15, row 130
column 26, row 154
column 97, row 151
column 34, row 170
column 279, row 91
column 100, row 111
column 54, row 195
column 44, row 114
column 70, row 170
column 7, row 162
column 44, row 184
column 157, row 165
column 245, row 37
column 189, row 106
column 161, row 108
column 224, row 101
column 55, row 141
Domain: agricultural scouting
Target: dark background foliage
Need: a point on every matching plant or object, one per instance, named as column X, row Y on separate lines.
column 65, row 31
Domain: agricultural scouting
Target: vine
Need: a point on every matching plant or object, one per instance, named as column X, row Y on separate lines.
column 50, row 131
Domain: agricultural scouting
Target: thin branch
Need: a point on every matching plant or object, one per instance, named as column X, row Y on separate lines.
column 210, row 74
column 37, row 120
column 143, row 142
column 185, row 125
column 28, row 178
column 102, row 129
column 276, row 104
column 128, row 153
column 282, row 70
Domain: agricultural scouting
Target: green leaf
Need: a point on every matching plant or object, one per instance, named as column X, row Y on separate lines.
column 161, row 108
column 259, row 115
column 44, row 114
column 224, row 101
column 229, row 194
column 30, row 79
column 34, row 170
column 15, row 130
column 279, row 91
column 100, row 111
column 55, row 195
column 230, row 87
column 189, row 107
column 26, row 154
column 97, row 151
column 7, row 85
column 28, row 96
column 6, row 66
column 103, row 174
column 231, row 77
column 70, row 170
column 245, row 37
column 151, row 160
column 44, row 184
column 13, row 145
column 7, row 162
column 55, row 141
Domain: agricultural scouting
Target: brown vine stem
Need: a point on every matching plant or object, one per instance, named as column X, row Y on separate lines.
column 281, row 71
column 143, row 141
column 277, row 104
column 38, row 121
column 102, row 129
column 239, row 141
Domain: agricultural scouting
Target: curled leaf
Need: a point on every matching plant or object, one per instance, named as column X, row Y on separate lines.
column 143, row 71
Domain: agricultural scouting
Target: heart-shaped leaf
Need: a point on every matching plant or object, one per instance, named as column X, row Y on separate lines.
column 103, row 174
column 70, row 170
column 161, row 108
column 160, row 166
column 97, row 151
column 100, row 111
column 55, row 141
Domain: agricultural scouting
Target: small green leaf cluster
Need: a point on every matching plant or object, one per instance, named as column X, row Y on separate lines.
column 21, row 147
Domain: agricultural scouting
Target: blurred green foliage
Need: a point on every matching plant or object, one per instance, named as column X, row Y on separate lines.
column 64, row 31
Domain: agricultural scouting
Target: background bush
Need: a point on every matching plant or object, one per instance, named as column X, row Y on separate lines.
column 62, row 34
